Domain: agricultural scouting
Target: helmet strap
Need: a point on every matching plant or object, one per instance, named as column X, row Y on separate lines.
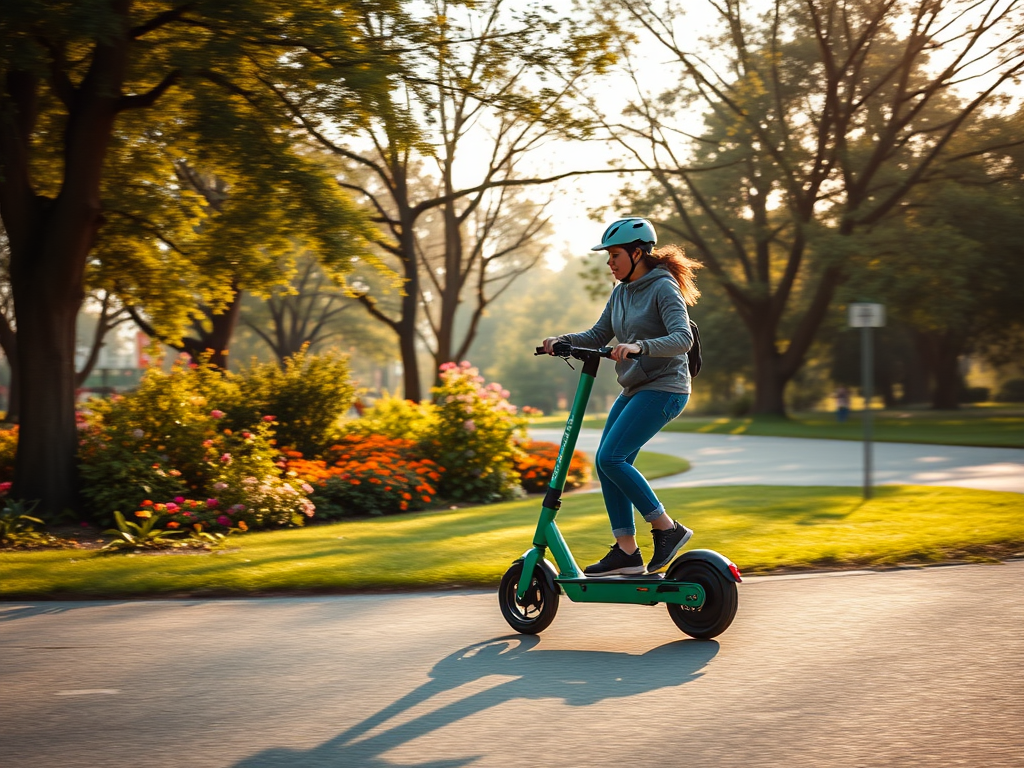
column 634, row 263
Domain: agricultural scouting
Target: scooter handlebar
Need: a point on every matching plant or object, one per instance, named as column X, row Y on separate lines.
column 563, row 349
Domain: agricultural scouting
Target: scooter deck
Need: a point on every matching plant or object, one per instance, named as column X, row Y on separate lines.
column 643, row 589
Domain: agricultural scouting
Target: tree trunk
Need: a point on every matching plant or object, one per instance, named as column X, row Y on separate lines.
column 406, row 326
column 45, row 466
column 218, row 339
column 940, row 352
column 49, row 241
column 769, row 382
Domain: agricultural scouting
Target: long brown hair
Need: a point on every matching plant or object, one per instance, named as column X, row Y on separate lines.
column 683, row 269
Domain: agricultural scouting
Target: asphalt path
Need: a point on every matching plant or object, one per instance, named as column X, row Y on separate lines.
column 917, row 667
column 903, row 668
column 750, row 460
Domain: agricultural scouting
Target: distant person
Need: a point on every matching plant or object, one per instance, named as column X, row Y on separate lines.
column 842, row 397
column 647, row 315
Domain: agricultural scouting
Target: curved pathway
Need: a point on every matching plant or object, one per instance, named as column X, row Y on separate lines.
column 749, row 460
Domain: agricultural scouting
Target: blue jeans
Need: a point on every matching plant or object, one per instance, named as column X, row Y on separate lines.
column 632, row 421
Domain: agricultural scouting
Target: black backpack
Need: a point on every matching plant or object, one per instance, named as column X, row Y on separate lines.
column 693, row 356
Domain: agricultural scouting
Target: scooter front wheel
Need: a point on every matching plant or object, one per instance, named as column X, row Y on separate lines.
column 536, row 610
column 721, row 599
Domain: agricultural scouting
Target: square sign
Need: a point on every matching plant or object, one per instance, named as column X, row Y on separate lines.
column 867, row 315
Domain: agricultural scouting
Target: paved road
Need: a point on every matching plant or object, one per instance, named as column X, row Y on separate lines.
column 749, row 460
column 904, row 668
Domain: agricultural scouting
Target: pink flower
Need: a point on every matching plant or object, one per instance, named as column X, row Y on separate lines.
column 269, row 418
column 211, row 503
column 219, row 486
column 226, row 458
column 179, row 499
column 238, row 508
column 224, row 520
column 5, row 487
column 469, row 425
column 247, row 435
column 215, row 414
column 448, row 366
column 465, row 364
column 171, row 507
column 307, row 487
column 207, row 443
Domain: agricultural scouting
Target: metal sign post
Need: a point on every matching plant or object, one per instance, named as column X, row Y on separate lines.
column 866, row 317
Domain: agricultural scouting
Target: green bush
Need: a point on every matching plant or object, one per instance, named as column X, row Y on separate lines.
column 474, row 439
column 306, row 398
column 8, row 447
column 975, row 395
column 395, row 418
column 167, row 442
column 1012, row 391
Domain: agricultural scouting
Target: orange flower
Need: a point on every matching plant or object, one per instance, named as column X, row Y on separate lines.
column 173, row 524
column 403, row 506
column 425, row 498
column 147, row 503
column 407, row 496
column 242, row 526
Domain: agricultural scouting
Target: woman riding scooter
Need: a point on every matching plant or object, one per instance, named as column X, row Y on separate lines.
column 647, row 315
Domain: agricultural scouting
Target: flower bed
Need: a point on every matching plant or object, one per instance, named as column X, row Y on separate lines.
column 536, row 462
column 367, row 475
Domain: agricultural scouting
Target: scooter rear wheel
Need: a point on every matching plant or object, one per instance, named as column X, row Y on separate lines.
column 720, row 603
column 539, row 604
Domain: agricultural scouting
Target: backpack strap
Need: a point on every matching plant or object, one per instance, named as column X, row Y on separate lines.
column 693, row 356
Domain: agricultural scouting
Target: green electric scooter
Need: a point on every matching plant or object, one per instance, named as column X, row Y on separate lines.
column 699, row 587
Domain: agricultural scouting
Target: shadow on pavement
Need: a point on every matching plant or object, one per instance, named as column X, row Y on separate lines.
column 578, row 678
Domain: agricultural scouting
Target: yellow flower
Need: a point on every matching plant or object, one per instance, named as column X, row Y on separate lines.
column 143, row 513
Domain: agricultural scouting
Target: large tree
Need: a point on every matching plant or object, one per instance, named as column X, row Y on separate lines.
column 951, row 269
column 488, row 85
column 90, row 89
column 821, row 117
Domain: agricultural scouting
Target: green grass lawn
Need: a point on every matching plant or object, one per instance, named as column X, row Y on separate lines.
column 1002, row 427
column 762, row 529
column 654, row 465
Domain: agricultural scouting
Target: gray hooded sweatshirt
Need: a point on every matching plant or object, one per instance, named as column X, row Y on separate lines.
column 649, row 311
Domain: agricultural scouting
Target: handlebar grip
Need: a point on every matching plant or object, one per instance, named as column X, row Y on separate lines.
column 540, row 351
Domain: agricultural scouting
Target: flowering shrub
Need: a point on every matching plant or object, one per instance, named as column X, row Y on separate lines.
column 8, row 447
column 536, row 462
column 167, row 440
column 394, row 417
column 371, row 475
column 474, row 438
column 306, row 398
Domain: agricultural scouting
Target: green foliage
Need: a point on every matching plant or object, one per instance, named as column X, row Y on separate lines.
column 18, row 527
column 396, row 418
column 167, row 442
column 306, row 397
column 475, row 437
column 132, row 536
column 1011, row 392
column 8, row 448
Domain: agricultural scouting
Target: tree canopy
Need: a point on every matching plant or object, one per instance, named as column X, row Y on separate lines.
column 821, row 117
column 102, row 102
